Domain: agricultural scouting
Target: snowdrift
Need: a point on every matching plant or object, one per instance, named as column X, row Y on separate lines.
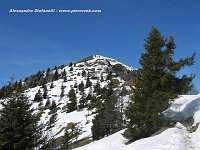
column 177, row 138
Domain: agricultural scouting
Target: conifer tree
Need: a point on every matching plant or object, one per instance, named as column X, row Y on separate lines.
column 64, row 74
column 83, row 100
column 48, row 71
column 48, row 103
column 97, row 88
column 70, row 64
column 75, row 85
column 156, row 83
column 62, row 91
column 83, row 73
column 72, row 104
column 38, row 96
column 45, row 92
column 19, row 126
column 55, row 75
column 51, row 86
column 81, row 86
column 52, row 120
column 107, row 121
column 109, row 76
column 102, row 79
column 53, row 105
column 88, row 82
column 71, row 69
column 66, row 140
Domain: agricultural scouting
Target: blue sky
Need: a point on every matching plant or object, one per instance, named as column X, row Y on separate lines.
column 35, row 41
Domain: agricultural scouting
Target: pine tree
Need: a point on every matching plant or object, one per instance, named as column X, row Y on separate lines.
column 75, row 85
column 83, row 73
column 62, row 91
column 66, row 140
column 88, row 82
column 52, row 120
column 102, row 79
column 56, row 75
column 48, row 71
column 19, row 126
column 38, row 96
column 53, row 105
column 48, row 103
column 71, row 69
column 64, row 75
column 156, row 83
column 51, row 86
column 45, row 92
column 70, row 64
column 109, row 76
column 93, row 102
column 81, row 86
column 72, row 104
column 83, row 100
column 97, row 88
column 107, row 121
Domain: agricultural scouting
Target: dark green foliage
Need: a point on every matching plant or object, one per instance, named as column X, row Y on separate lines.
column 55, row 68
column 76, row 131
column 45, row 92
column 88, row 83
column 53, row 112
column 62, row 66
column 72, row 104
column 53, row 105
column 51, row 86
column 62, row 91
column 95, row 102
column 83, row 73
column 70, row 64
column 89, row 96
column 97, row 88
column 42, row 81
column 156, row 83
column 71, row 136
column 64, row 75
column 48, row 103
column 38, row 96
column 82, row 101
column 109, row 76
column 48, row 71
column 123, row 92
column 66, row 140
column 18, row 86
column 107, row 121
column 56, row 75
column 52, row 120
column 75, row 85
column 7, row 90
column 102, row 79
column 71, row 69
column 19, row 127
column 81, row 86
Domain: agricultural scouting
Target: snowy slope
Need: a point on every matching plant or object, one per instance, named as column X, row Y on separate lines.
column 177, row 138
column 96, row 66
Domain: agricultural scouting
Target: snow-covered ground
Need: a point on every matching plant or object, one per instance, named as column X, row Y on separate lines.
column 97, row 67
column 177, row 138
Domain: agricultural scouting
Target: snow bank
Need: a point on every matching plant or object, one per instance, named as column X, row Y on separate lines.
column 177, row 138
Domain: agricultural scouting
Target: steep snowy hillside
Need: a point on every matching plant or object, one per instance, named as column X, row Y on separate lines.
column 177, row 138
column 54, row 86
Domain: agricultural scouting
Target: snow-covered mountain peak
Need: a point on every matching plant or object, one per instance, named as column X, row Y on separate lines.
column 60, row 80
